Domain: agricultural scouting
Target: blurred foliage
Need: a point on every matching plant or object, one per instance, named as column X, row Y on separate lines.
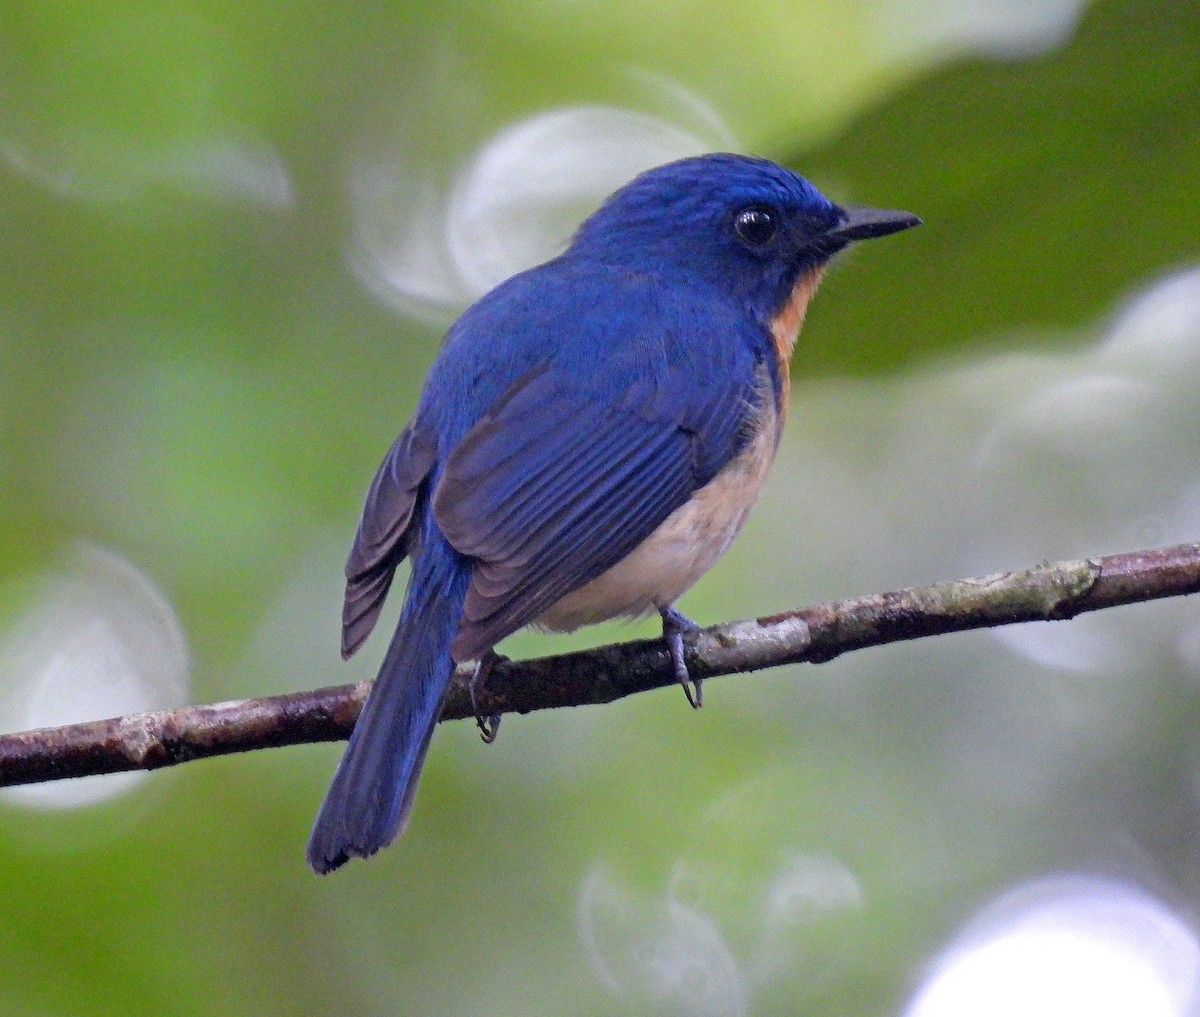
column 1048, row 186
column 191, row 375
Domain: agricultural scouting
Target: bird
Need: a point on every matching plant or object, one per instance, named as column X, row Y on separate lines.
column 587, row 444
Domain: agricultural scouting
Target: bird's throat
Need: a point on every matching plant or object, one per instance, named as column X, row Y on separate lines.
column 785, row 327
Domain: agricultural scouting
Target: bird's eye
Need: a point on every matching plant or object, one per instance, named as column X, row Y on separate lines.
column 756, row 226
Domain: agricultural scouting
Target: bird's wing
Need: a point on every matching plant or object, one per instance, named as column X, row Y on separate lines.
column 382, row 538
column 557, row 483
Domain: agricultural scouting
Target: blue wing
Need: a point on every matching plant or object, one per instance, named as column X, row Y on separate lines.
column 562, row 478
column 383, row 533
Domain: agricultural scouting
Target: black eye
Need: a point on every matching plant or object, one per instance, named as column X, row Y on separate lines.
column 756, row 226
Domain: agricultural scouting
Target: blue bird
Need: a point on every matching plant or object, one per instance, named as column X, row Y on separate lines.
column 587, row 445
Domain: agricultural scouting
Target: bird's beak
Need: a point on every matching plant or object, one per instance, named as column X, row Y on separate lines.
column 868, row 223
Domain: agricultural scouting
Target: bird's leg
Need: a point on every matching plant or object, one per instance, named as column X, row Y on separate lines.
column 674, row 626
column 489, row 725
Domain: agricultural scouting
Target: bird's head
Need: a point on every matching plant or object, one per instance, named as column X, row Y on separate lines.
column 746, row 226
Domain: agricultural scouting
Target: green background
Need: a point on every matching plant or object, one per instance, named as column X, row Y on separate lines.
column 193, row 377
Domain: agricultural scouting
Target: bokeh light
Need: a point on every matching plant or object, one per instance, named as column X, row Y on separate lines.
column 1064, row 947
column 994, row 27
column 96, row 640
column 659, row 952
column 514, row 203
column 107, row 117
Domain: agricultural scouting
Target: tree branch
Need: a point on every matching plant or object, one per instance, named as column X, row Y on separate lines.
column 1047, row 592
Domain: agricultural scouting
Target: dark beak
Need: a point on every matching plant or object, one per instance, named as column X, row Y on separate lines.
column 868, row 223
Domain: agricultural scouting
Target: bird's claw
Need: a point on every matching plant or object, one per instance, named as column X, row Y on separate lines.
column 488, row 724
column 675, row 625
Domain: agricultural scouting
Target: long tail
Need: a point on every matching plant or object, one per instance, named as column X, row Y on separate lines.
column 371, row 796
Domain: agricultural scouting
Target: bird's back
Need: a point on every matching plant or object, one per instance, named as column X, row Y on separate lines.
column 615, row 332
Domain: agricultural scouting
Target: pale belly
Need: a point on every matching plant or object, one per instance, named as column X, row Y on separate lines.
column 685, row 546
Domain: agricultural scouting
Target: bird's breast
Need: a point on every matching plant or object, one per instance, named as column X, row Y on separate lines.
column 686, row 545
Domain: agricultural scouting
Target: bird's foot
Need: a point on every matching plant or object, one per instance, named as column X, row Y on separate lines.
column 675, row 625
column 489, row 724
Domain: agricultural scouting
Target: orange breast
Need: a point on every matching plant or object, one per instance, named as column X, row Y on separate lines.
column 786, row 327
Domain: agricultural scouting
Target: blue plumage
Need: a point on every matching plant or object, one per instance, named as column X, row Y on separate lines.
column 587, row 444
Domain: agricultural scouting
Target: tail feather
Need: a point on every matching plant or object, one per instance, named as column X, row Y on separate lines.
column 371, row 796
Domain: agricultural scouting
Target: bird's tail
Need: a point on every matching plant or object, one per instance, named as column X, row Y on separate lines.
column 371, row 796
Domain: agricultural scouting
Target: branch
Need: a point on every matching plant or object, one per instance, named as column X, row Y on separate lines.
column 1047, row 592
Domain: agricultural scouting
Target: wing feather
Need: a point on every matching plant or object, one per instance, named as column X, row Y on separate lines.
column 557, row 484
column 382, row 538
